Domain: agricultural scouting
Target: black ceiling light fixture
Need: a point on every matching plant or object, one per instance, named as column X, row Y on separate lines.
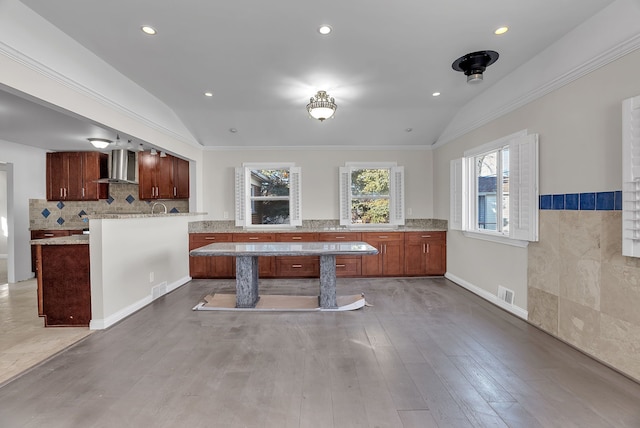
column 474, row 64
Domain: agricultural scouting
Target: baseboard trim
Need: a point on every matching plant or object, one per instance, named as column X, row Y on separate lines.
column 515, row 310
column 101, row 324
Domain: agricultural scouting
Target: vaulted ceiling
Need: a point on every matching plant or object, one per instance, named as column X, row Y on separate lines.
column 262, row 61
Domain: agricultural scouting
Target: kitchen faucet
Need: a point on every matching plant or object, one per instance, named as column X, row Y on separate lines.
column 159, row 203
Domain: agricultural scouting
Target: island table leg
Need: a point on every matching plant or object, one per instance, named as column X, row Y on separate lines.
column 328, row 282
column 246, row 281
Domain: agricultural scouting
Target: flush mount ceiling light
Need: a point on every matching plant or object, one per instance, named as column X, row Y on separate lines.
column 501, row 30
column 474, row 64
column 324, row 30
column 208, row 94
column 99, row 143
column 322, row 106
column 147, row 29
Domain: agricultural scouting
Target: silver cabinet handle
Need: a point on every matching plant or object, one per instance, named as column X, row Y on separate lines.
column 296, row 266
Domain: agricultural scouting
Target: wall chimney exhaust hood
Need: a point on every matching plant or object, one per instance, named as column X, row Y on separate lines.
column 122, row 168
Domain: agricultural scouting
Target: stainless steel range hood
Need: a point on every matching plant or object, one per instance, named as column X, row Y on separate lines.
column 122, row 168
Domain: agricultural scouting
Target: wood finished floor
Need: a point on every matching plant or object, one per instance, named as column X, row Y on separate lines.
column 427, row 354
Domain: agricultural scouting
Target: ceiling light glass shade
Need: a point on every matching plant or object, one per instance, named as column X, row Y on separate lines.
column 321, row 106
column 99, row 143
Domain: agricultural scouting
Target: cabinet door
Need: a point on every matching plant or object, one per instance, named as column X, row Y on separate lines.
column 180, row 178
column 414, row 258
column 164, row 177
column 94, row 167
column 147, row 175
column 436, row 258
column 75, row 178
column 393, row 258
column 57, row 176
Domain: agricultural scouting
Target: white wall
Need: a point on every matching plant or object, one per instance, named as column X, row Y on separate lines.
column 320, row 191
column 129, row 257
column 3, row 212
column 26, row 177
column 580, row 151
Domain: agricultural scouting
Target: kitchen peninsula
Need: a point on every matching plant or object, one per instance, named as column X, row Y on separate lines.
column 133, row 260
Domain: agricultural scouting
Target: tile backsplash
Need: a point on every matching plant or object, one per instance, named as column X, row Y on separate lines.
column 123, row 198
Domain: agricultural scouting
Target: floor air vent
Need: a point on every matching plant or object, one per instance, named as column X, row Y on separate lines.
column 505, row 294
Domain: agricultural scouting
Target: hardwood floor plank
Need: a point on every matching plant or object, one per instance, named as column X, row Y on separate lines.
column 427, row 354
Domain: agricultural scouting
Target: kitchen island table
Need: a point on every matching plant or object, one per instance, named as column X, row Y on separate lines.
column 247, row 264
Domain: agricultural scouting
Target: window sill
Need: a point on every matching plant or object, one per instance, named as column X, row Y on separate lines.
column 496, row 238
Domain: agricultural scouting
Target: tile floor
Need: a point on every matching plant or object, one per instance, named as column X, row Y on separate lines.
column 24, row 342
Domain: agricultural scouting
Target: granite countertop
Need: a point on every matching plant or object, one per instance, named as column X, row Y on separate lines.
column 62, row 240
column 425, row 225
column 284, row 249
column 123, row 215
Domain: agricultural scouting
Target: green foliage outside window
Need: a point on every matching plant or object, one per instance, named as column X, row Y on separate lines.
column 370, row 195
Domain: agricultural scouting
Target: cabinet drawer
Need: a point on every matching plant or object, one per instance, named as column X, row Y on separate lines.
column 413, row 237
column 298, row 266
column 383, row 236
column 340, row 236
column 297, row 237
column 197, row 240
column 348, row 266
column 253, row 237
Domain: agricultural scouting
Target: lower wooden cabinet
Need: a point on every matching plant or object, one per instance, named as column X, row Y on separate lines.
column 390, row 258
column 401, row 254
column 43, row 234
column 64, row 285
column 210, row 267
column 425, row 253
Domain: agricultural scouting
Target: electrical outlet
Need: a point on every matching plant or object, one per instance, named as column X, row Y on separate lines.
column 151, row 276
column 225, row 214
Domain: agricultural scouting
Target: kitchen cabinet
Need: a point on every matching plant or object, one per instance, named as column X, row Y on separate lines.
column 266, row 265
column 390, row 258
column 299, row 266
column 64, row 285
column 42, row 234
column 210, row 267
column 72, row 176
column 162, row 177
column 425, row 253
column 346, row 266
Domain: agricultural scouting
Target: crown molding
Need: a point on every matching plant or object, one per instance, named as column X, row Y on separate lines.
column 317, row 148
column 78, row 87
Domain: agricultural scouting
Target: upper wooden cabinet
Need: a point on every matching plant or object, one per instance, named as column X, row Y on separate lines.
column 162, row 177
column 72, row 176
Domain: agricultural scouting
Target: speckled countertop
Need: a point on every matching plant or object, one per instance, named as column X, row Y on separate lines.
column 412, row 225
column 123, row 215
column 63, row 240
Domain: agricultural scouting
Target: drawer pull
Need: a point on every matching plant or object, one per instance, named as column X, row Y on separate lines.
column 296, row 266
column 339, row 237
column 296, row 238
column 426, row 236
column 210, row 238
column 341, row 266
column 383, row 237
column 48, row 234
column 253, row 238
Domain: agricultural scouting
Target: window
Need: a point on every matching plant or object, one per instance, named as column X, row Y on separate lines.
column 268, row 195
column 371, row 194
column 494, row 190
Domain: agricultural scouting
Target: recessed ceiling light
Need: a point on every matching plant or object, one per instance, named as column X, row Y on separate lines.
column 233, row 130
column 501, row 30
column 436, row 94
column 324, row 30
column 408, row 130
column 208, row 94
column 147, row 29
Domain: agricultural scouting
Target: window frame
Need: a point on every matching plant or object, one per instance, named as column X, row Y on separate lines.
column 396, row 194
column 523, row 191
column 245, row 199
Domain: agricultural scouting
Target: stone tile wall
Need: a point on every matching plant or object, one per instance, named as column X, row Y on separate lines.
column 123, row 198
column 583, row 290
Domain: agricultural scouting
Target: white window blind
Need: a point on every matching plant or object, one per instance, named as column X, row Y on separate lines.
column 631, row 177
